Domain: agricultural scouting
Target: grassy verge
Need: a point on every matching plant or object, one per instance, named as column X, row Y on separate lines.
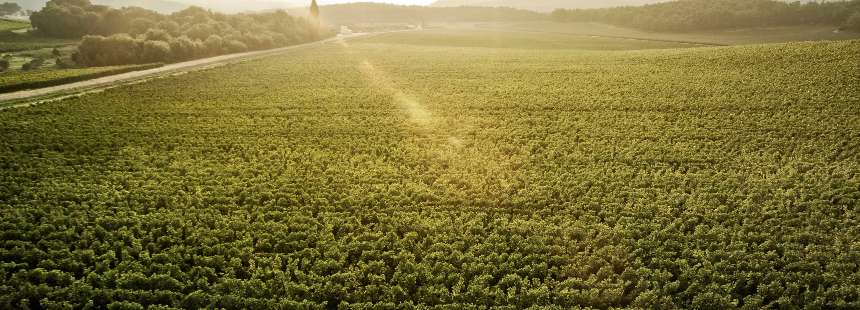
column 9, row 25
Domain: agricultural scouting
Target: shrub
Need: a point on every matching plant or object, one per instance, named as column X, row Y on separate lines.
column 214, row 45
column 65, row 63
column 34, row 64
column 124, row 305
column 234, row 46
column 107, row 51
column 4, row 65
column 183, row 48
column 154, row 51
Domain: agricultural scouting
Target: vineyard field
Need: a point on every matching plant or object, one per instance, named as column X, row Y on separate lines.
column 23, row 80
column 17, row 42
column 8, row 25
column 478, row 37
column 407, row 171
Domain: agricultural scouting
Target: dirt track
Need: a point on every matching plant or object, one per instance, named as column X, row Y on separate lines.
column 34, row 96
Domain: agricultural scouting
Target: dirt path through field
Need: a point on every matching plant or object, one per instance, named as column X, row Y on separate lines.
column 35, row 96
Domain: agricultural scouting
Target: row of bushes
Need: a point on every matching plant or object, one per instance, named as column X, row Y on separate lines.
column 158, row 46
column 694, row 15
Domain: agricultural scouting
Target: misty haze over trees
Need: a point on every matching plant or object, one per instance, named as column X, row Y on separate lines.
column 692, row 15
column 544, row 5
column 387, row 13
column 9, row 8
column 133, row 35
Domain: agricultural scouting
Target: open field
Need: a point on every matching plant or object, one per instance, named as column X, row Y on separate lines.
column 8, row 25
column 16, row 42
column 455, row 37
column 725, row 37
column 61, row 92
column 407, row 172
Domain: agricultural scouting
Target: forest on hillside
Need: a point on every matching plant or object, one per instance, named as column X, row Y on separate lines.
column 694, row 15
column 134, row 35
column 544, row 5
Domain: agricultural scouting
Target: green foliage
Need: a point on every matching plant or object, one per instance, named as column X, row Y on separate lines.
column 9, row 8
column 380, row 175
column 64, row 63
column 4, row 65
column 114, row 50
column 33, row 64
column 693, row 15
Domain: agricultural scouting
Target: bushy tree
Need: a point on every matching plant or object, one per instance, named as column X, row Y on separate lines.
column 68, row 18
column 235, row 46
column 157, row 34
column 154, row 51
column 9, row 8
column 64, row 63
column 135, row 35
column 214, row 44
column 183, row 48
column 107, row 51
column 33, row 64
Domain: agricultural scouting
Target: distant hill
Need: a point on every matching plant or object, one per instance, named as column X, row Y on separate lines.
column 550, row 5
column 544, row 5
column 391, row 13
column 162, row 6
column 238, row 6
column 698, row 15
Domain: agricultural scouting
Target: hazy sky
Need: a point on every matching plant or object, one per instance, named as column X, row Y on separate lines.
column 405, row 2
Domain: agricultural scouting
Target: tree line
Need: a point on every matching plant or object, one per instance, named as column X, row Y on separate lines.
column 693, row 15
column 9, row 8
column 134, row 35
